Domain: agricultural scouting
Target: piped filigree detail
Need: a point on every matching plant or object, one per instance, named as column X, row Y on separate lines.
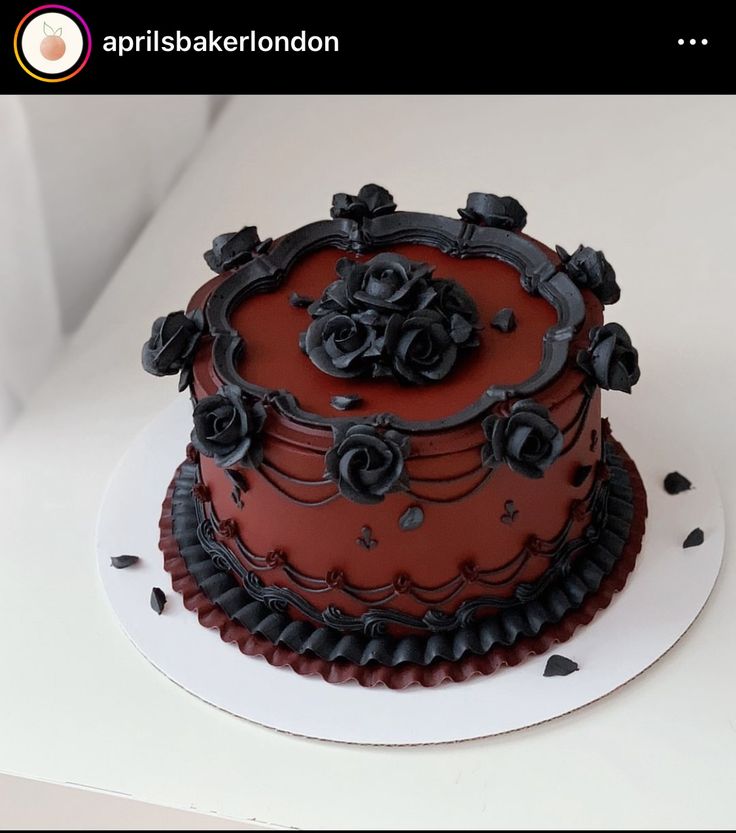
column 252, row 605
column 366, row 539
column 510, row 512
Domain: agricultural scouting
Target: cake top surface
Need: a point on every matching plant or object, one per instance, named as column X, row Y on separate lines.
column 272, row 355
column 422, row 320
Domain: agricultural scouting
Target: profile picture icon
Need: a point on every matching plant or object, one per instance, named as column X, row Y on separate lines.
column 52, row 46
column 52, row 43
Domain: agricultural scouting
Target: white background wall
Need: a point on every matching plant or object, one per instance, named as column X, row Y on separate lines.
column 79, row 178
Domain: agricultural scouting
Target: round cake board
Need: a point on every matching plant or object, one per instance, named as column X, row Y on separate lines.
column 665, row 593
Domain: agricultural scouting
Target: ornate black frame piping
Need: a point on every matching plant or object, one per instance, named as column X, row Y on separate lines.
column 458, row 238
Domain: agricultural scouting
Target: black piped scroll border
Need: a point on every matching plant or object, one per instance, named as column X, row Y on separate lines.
column 477, row 637
column 266, row 272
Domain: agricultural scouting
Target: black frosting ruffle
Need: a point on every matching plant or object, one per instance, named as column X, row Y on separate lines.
column 478, row 637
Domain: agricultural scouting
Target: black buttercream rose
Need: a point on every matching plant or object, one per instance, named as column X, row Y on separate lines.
column 340, row 344
column 388, row 316
column 227, row 430
column 388, row 282
column 610, row 359
column 367, row 464
column 420, row 347
column 370, row 201
column 527, row 439
column 334, row 299
column 589, row 268
column 497, row 212
column 173, row 341
column 453, row 299
column 234, row 248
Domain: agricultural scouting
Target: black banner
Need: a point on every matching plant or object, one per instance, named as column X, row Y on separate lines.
column 355, row 48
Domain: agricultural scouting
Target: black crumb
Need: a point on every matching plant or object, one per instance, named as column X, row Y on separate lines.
column 694, row 539
column 675, row 483
column 120, row 562
column 559, row 666
column 504, row 320
column 158, row 600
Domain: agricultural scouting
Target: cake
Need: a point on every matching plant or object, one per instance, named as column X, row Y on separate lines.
column 398, row 471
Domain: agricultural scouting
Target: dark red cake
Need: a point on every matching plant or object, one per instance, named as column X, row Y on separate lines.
column 398, row 470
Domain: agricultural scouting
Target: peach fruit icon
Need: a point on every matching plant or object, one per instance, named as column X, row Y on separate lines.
column 52, row 46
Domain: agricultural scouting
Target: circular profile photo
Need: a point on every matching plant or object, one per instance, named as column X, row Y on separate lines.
column 52, row 43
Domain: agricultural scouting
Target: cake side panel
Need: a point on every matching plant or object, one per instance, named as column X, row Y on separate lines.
column 461, row 531
column 407, row 553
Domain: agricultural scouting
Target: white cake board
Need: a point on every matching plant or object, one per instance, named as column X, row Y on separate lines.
column 666, row 591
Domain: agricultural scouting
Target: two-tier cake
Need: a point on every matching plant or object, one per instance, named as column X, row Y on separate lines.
column 398, row 470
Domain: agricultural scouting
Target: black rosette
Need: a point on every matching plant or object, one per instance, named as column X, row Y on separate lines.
column 496, row 212
column 370, row 201
column 453, row 299
column 367, row 464
column 420, row 347
column 526, row 440
column 341, row 344
column 611, row 359
column 234, row 248
column 387, row 283
column 589, row 269
column 173, row 341
column 388, row 316
column 227, row 429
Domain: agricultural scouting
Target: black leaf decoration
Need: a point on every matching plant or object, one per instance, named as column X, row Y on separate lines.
column 675, row 483
column 581, row 475
column 121, row 562
column 239, row 486
column 504, row 320
column 185, row 378
column 413, row 518
column 237, row 479
column 559, row 666
column 344, row 402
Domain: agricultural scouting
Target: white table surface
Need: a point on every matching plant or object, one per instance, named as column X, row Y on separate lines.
column 649, row 180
